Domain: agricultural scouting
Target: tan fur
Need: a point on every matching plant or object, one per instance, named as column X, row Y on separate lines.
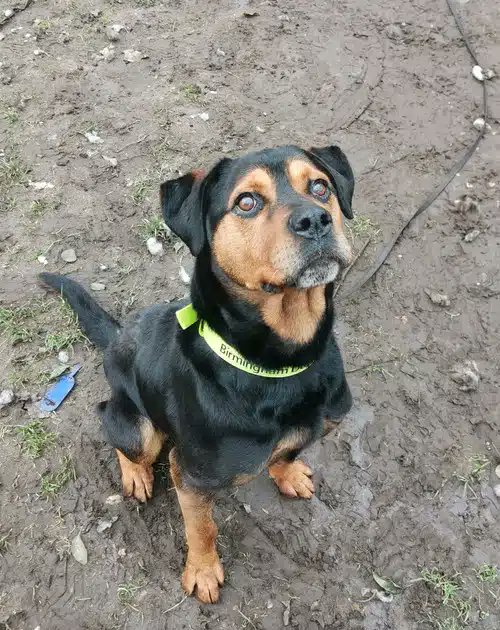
column 203, row 571
column 137, row 475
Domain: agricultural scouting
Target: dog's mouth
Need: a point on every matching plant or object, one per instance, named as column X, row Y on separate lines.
column 317, row 271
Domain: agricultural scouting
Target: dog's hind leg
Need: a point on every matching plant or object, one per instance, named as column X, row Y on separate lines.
column 137, row 443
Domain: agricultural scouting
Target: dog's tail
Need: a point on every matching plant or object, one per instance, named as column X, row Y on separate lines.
column 98, row 325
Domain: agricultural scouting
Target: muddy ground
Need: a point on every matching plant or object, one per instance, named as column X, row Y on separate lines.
column 405, row 487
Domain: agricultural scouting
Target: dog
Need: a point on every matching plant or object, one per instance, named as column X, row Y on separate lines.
column 249, row 373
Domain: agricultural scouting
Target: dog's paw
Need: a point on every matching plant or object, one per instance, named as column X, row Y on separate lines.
column 137, row 481
column 203, row 576
column 293, row 478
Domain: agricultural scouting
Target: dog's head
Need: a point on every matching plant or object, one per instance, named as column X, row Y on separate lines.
column 271, row 219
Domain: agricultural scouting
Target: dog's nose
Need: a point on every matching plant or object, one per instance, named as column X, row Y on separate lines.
column 310, row 222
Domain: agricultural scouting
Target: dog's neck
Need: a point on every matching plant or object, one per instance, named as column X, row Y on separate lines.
column 288, row 328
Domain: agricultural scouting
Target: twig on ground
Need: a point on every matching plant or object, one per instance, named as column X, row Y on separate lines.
column 355, row 259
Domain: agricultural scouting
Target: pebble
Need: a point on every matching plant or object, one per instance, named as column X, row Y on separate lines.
column 68, row 255
column 63, row 357
column 247, row 508
column 111, row 161
column 93, row 138
column 184, row 276
column 103, row 524
column 41, row 185
column 154, row 246
column 471, row 236
column 466, row 376
column 113, row 32
column 78, row 550
column 108, row 53
column 497, row 471
column 478, row 123
column 438, row 298
column 114, row 499
column 496, row 490
column 482, row 75
column 103, row 267
column 42, row 259
column 8, row 13
column 203, row 116
column 7, row 397
column 131, row 56
column 97, row 286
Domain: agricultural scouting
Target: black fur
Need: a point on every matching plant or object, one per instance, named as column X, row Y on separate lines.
column 334, row 161
column 98, row 325
column 223, row 421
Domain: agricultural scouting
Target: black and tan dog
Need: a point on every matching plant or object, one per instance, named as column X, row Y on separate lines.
column 250, row 373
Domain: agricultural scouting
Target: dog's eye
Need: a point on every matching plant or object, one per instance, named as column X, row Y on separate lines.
column 246, row 202
column 319, row 188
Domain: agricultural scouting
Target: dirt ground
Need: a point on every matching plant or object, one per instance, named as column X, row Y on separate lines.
column 405, row 488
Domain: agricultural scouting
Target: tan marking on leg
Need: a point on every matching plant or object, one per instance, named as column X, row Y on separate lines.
column 292, row 478
column 203, row 573
column 291, row 442
column 137, row 476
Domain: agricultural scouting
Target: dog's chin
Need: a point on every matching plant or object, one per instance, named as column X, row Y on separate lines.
column 318, row 274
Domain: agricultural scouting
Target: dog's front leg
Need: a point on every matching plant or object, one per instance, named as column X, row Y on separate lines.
column 203, row 573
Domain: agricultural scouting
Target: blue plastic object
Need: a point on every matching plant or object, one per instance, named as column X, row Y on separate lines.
column 55, row 395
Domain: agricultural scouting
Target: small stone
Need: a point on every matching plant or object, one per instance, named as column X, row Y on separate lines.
column 103, row 524
column 122, row 552
column 260, row 129
column 42, row 259
column 184, row 276
column 63, row 357
column 113, row 162
column 97, row 286
column 496, row 490
column 41, row 185
column 497, row 471
column 38, row 51
column 114, row 499
column 78, row 550
column 131, row 56
column 438, row 298
column 108, row 53
column 7, row 397
column 220, row 52
column 2, row 36
column 471, row 236
column 479, row 124
column 103, row 267
column 8, row 13
column 112, row 33
column 93, row 138
column 477, row 73
column 247, row 508
column 155, row 247
column 68, row 255
column 466, row 376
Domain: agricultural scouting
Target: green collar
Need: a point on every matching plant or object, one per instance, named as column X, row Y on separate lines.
column 187, row 316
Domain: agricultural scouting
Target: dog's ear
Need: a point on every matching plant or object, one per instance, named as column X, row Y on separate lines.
column 333, row 160
column 182, row 206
